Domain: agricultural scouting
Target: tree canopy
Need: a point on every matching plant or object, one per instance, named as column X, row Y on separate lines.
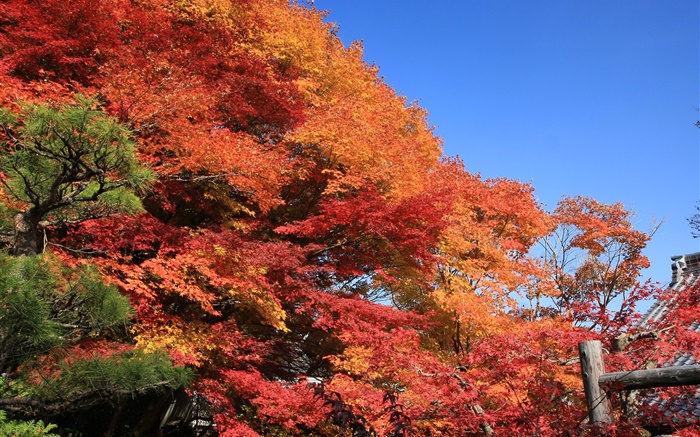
column 214, row 203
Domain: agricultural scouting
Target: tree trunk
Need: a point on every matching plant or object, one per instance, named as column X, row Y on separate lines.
column 149, row 423
column 115, row 418
column 26, row 233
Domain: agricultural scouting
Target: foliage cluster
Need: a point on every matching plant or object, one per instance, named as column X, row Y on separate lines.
column 30, row 428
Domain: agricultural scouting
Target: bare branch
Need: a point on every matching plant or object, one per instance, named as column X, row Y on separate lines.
column 620, row 343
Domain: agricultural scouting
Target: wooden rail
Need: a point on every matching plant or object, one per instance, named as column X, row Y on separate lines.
column 595, row 380
column 662, row 377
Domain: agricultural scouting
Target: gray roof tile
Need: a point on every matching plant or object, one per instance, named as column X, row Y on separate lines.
column 685, row 273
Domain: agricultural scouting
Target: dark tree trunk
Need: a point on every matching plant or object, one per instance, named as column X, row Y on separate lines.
column 115, row 418
column 26, row 233
column 150, row 419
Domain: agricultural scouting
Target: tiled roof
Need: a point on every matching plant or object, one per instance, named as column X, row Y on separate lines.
column 685, row 273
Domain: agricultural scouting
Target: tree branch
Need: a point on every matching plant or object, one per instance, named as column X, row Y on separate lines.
column 620, row 343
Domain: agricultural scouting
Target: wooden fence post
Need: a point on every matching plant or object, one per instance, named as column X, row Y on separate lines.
column 661, row 377
column 592, row 367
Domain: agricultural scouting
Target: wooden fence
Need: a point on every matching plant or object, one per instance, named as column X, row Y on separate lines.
column 596, row 381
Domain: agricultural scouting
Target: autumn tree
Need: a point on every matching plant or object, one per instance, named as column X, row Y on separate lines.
column 303, row 253
column 595, row 256
column 484, row 252
column 66, row 164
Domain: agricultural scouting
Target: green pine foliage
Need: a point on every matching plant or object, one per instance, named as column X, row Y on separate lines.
column 87, row 306
column 65, row 164
column 75, row 151
column 46, row 305
column 26, row 325
column 96, row 379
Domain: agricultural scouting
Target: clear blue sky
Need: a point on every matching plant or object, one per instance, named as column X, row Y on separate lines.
column 578, row 97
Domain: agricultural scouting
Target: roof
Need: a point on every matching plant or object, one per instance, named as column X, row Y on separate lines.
column 685, row 273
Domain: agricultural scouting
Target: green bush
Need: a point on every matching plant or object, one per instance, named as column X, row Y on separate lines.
column 16, row 428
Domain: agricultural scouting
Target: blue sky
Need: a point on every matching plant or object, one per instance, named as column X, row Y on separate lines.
column 578, row 97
